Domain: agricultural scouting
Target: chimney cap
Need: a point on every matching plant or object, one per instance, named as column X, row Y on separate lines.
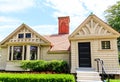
column 64, row 17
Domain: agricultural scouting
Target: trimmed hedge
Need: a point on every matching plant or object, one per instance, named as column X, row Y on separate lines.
column 15, row 77
column 57, row 66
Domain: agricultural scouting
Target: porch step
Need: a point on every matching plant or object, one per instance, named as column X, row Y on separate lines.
column 87, row 75
column 85, row 69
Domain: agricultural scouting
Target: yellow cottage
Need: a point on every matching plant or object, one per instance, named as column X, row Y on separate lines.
column 93, row 39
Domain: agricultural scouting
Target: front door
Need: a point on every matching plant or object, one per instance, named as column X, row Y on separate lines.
column 84, row 54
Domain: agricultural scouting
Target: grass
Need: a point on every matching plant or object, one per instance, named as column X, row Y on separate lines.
column 114, row 80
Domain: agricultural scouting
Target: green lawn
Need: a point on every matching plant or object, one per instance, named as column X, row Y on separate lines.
column 114, row 80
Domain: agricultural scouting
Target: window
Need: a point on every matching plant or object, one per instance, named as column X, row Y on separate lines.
column 105, row 44
column 17, row 54
column 25, row 50
column 33, row 52
column 10, row 52
column 20, row 35
column 28, row 35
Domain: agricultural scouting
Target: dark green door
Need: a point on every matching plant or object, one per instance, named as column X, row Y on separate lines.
column 84, row 54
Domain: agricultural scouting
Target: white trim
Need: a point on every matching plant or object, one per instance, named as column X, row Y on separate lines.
column 28, row 52
column 8, row 55
column 111, row 45
column 23, row 51
column 12, row 52
column 38, row 51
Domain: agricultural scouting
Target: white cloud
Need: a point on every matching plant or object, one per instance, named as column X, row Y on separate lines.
column 78, row 10
column 98, row 6
column 4, row 19
column 15, row 5
column 72, row 7
column 45, row 29
column 5, row 30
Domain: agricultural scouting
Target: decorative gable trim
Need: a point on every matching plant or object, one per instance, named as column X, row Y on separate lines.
column 18, row 29
column 94, row 27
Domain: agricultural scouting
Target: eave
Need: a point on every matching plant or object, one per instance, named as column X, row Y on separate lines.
column 59, row 52
column 88, row 37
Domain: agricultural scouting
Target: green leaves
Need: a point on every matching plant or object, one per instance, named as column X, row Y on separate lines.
column 112, row 15
column 57, row 66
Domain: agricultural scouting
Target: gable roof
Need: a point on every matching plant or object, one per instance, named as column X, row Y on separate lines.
column 20, row 27
column 86, row 27
column 59, row 42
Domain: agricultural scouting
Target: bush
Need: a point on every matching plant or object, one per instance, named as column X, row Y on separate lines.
column 34, row 65
column 11, row 77
column 58, row 66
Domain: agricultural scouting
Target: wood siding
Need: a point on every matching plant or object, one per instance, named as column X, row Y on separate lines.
column 110, row 57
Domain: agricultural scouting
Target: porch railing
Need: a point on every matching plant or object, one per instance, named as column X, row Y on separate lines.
column 100, row 62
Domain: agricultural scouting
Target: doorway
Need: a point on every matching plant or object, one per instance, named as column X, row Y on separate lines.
column 84, row 54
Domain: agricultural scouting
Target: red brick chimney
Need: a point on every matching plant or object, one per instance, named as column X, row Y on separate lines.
column 63, row 23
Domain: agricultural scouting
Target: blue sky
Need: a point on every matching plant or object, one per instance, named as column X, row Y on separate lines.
column 42, row 15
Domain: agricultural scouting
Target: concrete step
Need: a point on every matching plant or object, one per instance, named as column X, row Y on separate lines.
column 85, row 69
column 84, row 73
column 87, row 75
column 89, row 78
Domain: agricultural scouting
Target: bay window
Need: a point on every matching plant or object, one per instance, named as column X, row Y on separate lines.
column 25, row 52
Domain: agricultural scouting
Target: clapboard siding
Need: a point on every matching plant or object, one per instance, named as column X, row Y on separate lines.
column 110, row 57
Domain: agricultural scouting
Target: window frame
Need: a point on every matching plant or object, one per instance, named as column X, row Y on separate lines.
column 106, row 45
column 17, row 55
column 20, row 36
column 27, row 36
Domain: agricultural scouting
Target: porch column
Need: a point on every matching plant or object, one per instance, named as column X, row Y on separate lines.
column 38, row 51
column 23, row 51
column 8, row 55
column 12, row 52
column 28, row 52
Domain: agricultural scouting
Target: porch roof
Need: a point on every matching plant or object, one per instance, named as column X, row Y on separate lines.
column 58, row 42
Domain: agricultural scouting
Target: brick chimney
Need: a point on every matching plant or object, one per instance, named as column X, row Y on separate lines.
column 63, row 23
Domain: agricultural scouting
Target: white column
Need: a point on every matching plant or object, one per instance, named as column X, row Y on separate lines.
column 38, row 53
column 8, row 55
column 23, row 51
column 28, row 52
column 12, row 53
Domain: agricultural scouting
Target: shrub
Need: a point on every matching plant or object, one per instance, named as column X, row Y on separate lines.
column 58, row 66
column 34, row 65
column 11, row 77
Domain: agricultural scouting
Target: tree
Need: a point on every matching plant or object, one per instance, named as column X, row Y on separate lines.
column 112, row 15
